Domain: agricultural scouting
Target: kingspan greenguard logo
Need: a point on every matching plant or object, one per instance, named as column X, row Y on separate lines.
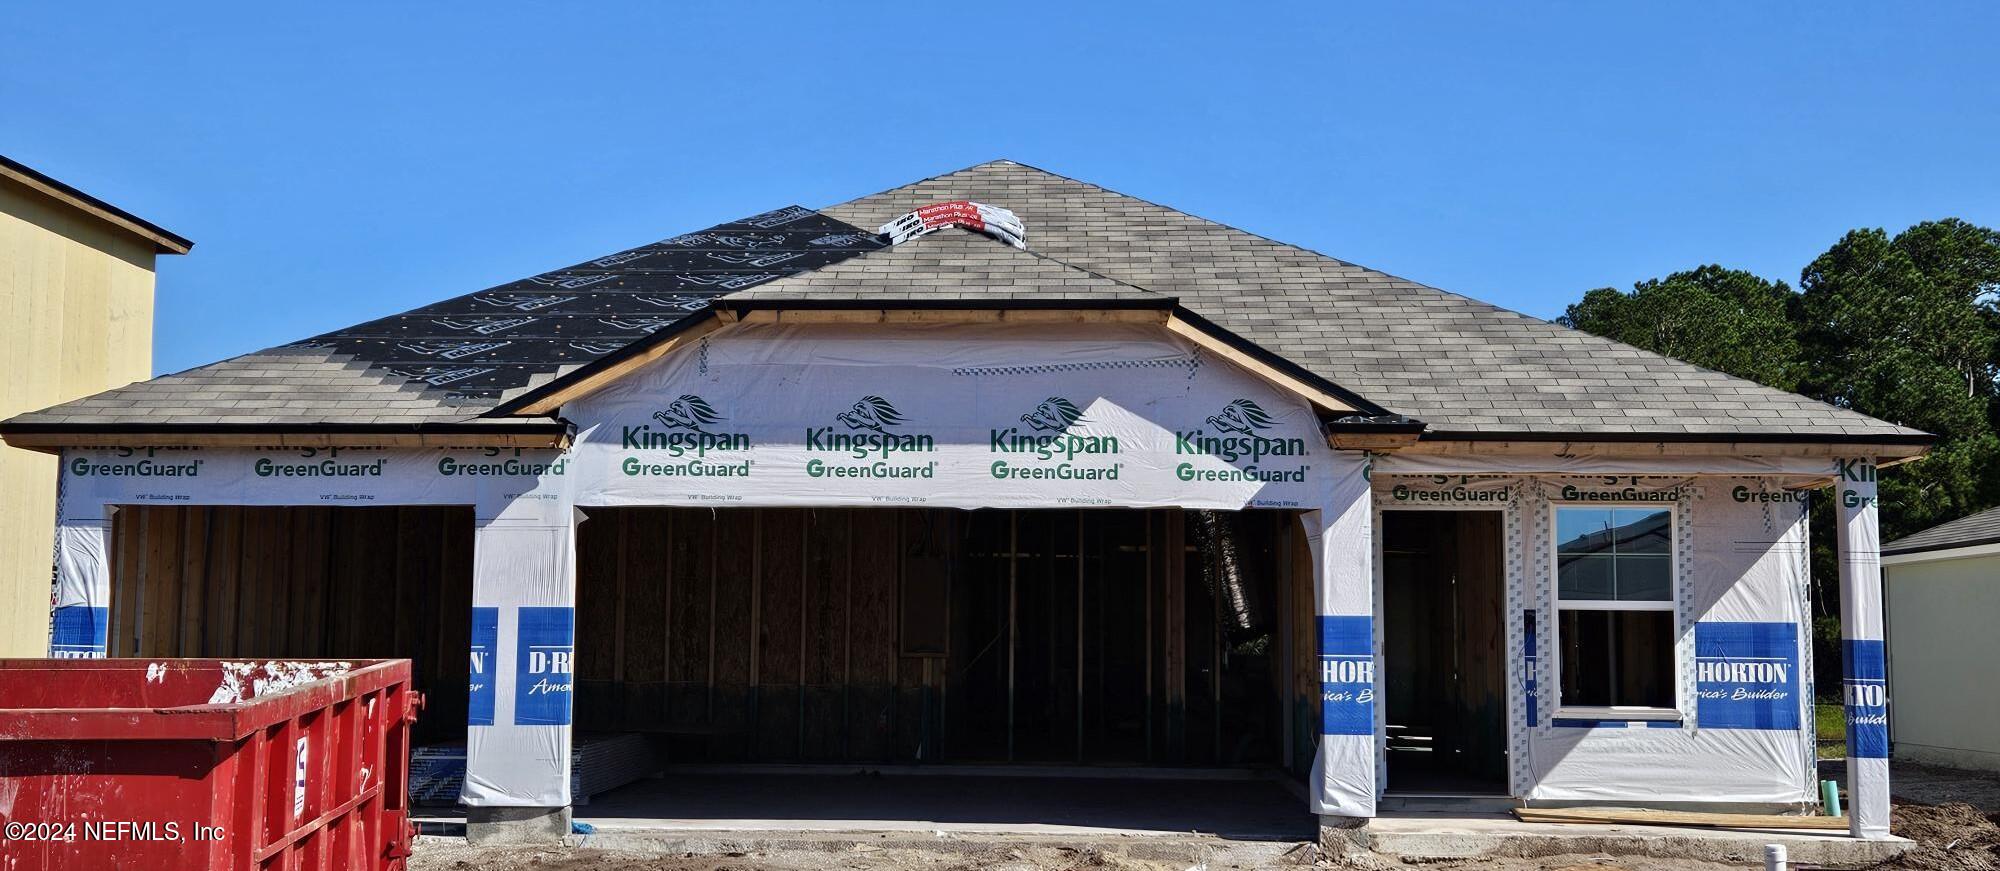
column 134, row 463
column 873, row 430
column 687, row 427
column 1049, row 437
column 319, row 463
column 1237, row 437
column 499, row 462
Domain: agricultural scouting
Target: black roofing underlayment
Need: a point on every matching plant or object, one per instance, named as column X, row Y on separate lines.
column 476, row 346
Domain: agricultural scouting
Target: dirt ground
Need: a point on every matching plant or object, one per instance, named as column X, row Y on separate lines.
column 1954, row 816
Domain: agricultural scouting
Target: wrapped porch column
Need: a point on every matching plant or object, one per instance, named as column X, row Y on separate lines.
column 517, row 754
column 1864, row 686
column 1340, row 535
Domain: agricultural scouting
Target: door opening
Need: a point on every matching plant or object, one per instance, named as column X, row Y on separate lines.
column 1446, row 682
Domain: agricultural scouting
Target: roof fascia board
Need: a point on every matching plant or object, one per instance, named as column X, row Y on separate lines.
column 165, row 242
column 877, row 315
column 52, row 442
column 742, row 306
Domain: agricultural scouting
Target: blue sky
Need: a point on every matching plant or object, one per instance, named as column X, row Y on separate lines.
column 339, row 162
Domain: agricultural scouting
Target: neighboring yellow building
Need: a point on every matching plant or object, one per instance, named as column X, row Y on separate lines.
column 76, row 318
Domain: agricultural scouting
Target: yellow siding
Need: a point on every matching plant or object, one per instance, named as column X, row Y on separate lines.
column 76, row 318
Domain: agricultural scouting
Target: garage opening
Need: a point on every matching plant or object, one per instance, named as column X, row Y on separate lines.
column 911, row 635
column 301, row 583
column 1019, row 659
column 1445, row 679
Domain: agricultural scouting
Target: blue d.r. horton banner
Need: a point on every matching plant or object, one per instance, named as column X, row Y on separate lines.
column 544, row 652
column 1747, row 675
column 1867, row 698
column 1347, row 675
column 485, row 646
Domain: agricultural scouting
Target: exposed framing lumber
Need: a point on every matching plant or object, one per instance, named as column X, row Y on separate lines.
column 1635, row 816
column 1369, row 441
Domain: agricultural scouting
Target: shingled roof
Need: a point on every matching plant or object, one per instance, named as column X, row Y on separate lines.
column 1469, row 369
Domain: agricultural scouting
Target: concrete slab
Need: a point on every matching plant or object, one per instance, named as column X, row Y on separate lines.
column 1237, row 809
column 766, row 802
column 1465, row 836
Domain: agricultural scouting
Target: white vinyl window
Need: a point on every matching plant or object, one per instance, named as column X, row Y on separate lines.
column 1615, row 610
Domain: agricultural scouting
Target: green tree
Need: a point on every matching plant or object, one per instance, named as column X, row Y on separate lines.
column 1722, row 319
column 1904, row 329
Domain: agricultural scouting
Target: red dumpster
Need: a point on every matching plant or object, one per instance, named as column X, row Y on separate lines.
column 204, row 763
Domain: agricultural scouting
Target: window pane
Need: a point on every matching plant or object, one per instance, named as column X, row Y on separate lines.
column 1584, row 577
column 1623, row 658
column 1645, row 654
column 1586, row 669
column 1643, row 530
column 1644, row 578
column 1583, row 530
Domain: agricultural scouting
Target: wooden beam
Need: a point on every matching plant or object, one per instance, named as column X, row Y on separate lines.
column 1368, row 441
column 1617, row 816
column 1285, row 381
column 604, row 377
column 55, row 442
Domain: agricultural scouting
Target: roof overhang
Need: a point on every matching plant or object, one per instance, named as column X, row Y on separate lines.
column 1885, row 449
column 1955, row 550
column 53, row 438
column 163, row 241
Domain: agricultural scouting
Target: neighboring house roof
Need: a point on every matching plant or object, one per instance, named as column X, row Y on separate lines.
column 163, row 241
column 1469, row 369
column 1971, row 530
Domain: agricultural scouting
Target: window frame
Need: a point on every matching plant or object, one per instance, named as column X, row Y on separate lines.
column 1557, row 604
